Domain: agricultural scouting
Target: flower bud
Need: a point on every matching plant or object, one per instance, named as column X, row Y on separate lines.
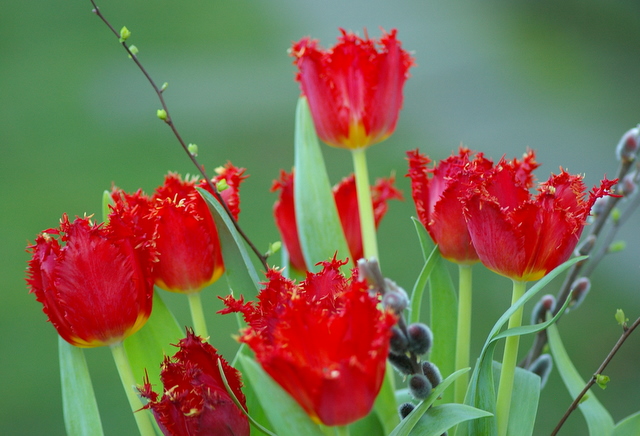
column 401, row 363
column 162, row 114
column 599, row 206
column 579, row 291
column 586, row 247
column 405, row 409
column 420, row 338
column 542, row 367
column 398, row 344
column 193, row 149
column 124, row 34
column 395, row 301
column 369, row 270
column 539, row 313
column 628, row 145
column 432, row 372
column 419, row 386
column 629, row 184
column 134, row 50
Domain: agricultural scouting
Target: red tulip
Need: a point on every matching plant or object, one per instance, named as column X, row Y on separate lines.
column 93, row 280
column 524, row 237
column 195, row 401
column 437, row 193
column 325, row 341
column 354, row 89
column 346, row 200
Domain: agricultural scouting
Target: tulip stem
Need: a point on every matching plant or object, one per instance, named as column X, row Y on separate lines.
column 509, row 360
column 145, row 425
column 463, row 338
column 341, row 430
column 365, row 205
column 197, row 315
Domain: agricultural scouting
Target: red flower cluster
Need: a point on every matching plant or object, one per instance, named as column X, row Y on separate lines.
column 355, row 88
column 325, row 341
column 194, row 400
column 346, row 200
column 178, row 219
column 473, row 209
column 94, row 281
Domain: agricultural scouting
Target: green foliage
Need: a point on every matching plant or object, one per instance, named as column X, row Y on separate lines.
column 319, row 227
column 524, row 400
column 81, row 415
column 599, row 421
column 630, row 426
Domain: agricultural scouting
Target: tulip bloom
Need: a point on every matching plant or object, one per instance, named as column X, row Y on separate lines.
column 355, row 88
column 346, row 200
column 438, row 192
column 194, row 400
column 186, row 236
column 524, row 237
column 325, row 341
column 93, row 280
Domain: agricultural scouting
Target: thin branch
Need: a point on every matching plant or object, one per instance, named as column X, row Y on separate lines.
column 627, row 332
column 169, row 121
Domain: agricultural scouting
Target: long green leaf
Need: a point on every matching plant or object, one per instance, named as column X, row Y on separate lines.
column 408, row 423
column 147, row 348
column 481, row 391
column 524, row 400
column 239, row 270
column 426, row 243
column 444, row 316
column 630, row 426
column 81, row 416
column 599, row 421
column 439, row 419
column 285, row 415
column 319, row 228
column 431, row 258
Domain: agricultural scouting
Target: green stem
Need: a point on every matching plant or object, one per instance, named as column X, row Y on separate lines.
column 145, row 426
column 365, row 206
column 197, row 315
column 463, row 339
column 509, row 361
column 341, row 430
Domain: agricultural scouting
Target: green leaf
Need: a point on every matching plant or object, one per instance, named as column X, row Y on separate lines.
column 630, row 426
column 426, row 243
column 385, row 406
column 431, row 258
column 408, row 423
column 444, row 316
column 598, row 419
column 239, row 270
column 524, row 400
column 146, row 348
column 481, row 391
column 439, row 419
column 319, row 227
column 81, row 416
column 285, row 415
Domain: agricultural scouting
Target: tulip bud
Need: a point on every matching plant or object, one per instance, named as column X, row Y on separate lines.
column 420, row 338
column 628, row 146
column 419, row 386
column 405, row 409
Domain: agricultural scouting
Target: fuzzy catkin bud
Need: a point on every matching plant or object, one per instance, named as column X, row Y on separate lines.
column 419, row 386
column 405, row 409
column 431, row 371
column 579, row 291
column 398, row 344
column 539, row 313
column 401, row 363
column 629, row 184
column 542, row 367
column 395, row 301
column 628, row 146
column 420, row 338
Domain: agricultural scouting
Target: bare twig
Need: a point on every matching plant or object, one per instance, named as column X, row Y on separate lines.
column 627, row 332
column 169, row 121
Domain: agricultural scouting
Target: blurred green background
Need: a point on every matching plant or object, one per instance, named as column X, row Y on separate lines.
column 76, row 115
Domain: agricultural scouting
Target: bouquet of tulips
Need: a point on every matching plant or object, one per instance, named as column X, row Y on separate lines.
column 329, row 344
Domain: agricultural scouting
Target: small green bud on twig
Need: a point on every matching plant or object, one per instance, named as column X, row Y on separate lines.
column 621, row 318
column 162, row 114
column 134, row 50
column 602, row 380
column 193, row 149
column 222, row 185
column 617, row 246
column 124, row 34
column 164, row 86
column 274, row 247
